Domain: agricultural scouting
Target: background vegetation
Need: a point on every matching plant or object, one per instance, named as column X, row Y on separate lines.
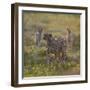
column 35, row 57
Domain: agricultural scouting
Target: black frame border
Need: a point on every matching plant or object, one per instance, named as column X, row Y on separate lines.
column 14, row 43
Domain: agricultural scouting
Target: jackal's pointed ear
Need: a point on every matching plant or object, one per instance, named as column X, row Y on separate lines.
column 68, row 29
column 50, row 35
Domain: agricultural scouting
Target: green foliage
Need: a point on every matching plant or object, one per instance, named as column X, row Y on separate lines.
column 35, row 64
column 51, row 69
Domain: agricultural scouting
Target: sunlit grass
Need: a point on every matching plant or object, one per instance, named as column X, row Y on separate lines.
column 37, row 65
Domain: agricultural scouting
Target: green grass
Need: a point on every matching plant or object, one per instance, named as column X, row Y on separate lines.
column 36, row 65
column 53, row 69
